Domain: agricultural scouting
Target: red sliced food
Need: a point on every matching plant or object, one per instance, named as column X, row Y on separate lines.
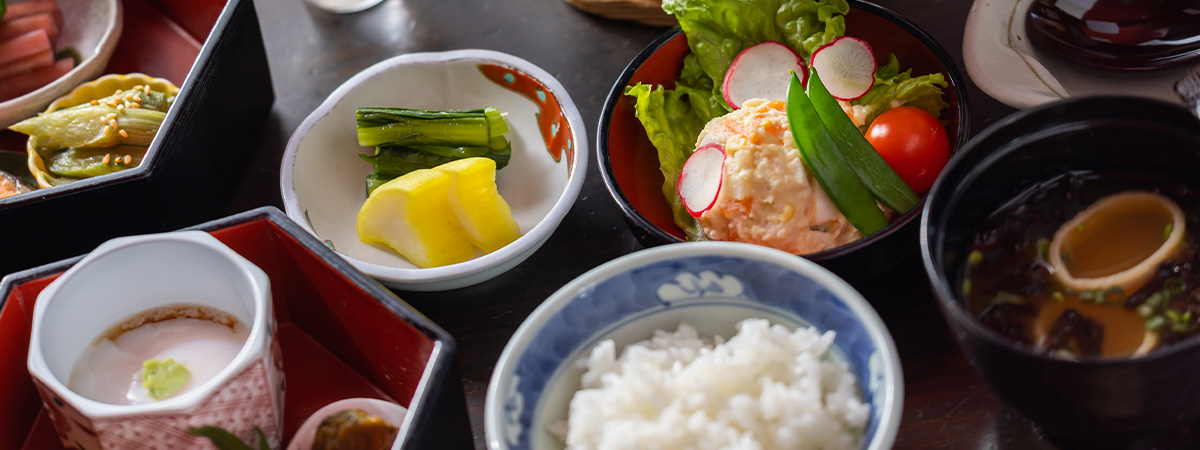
column 28, row 63
column 701, row 178
column 31, row 7
column 15, row 27
column 24, row 83
column 846, row 67
column 762, row 71
column 24, row 46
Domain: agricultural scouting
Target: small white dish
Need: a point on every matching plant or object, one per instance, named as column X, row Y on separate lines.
column 390, row 412
column 1002, row 61
column 92, row 28
column 323, row 178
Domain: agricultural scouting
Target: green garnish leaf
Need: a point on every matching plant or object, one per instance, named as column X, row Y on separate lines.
column 893, row 87
column 1167, row 230
column 1156, row 322
column 164, row 378
column 224, row 440
column 1043, row 247
column 672, row 127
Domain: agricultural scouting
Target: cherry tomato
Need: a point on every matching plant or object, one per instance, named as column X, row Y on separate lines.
column 913, row 142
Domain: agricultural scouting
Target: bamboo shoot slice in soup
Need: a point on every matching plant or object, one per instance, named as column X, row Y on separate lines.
column 1089, row 265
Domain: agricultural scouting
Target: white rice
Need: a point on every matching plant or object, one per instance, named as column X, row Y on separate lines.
column 766, row 388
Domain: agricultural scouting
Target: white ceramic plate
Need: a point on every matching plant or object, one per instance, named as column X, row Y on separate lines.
column 1006, row 66
column 323, row 177
column 390, row 412
column 91, row 27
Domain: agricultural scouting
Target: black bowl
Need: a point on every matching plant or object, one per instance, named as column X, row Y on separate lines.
column 1132, row 403
column 628, row 161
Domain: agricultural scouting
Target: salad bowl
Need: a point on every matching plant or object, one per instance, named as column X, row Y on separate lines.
column 323, row 178
column 629, row 162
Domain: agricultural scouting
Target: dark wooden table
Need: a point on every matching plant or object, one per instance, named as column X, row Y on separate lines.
column 311, row 52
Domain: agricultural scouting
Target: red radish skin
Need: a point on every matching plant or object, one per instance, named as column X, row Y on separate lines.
column 846, row 67
column 21, row 84
column 762, row 71
column 701, row 178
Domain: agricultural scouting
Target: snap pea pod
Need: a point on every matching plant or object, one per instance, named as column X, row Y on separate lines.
column 879, row 178
column 821, row 156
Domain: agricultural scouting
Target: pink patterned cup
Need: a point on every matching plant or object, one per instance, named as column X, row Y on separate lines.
column 126, row 276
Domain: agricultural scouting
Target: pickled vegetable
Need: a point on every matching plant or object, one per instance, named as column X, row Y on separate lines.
column 477, row 203
column 413, row 216
column 354, row 429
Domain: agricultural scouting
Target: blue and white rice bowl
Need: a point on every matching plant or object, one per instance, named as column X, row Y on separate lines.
column 710, row 285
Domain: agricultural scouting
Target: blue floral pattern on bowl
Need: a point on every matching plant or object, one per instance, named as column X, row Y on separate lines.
column 691, row 285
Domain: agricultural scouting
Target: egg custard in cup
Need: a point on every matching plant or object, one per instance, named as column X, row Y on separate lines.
column 151, row 337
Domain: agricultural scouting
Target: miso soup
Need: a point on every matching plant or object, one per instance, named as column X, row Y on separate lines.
column 1073, row 289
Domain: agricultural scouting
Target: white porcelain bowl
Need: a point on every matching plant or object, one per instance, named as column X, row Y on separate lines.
column 92, row 28
column 710, row 285
column 322, row 177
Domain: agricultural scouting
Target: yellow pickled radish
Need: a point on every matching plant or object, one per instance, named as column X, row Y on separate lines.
column 476, row 201
column 412, row 215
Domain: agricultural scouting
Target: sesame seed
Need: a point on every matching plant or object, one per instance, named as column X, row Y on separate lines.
column 95, row 102
column 147, row 90
column 113, row 123
column 137, row 98
column 112, row 103
column 107, row 159
column 128, row 159
column 137, row 87
column 124, row 134
column 118, row 91
column 135, row 105
column 120, row 107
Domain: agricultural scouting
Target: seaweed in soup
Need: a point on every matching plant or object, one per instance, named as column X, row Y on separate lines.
column 1010, row 284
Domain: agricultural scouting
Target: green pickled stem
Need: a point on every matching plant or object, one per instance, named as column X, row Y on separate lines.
column 85, row 163
column 89, row 126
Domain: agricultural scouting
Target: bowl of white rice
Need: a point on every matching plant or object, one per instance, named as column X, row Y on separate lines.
column 698, row 346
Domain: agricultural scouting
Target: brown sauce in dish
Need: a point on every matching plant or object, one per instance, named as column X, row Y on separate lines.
column 1009, row 284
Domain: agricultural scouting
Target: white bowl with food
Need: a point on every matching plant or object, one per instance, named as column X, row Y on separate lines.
column 370, row 415
column 804, row 362
column 324, row 181
column 42, row 33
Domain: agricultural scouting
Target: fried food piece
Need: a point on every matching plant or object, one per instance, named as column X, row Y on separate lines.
column 354, row 429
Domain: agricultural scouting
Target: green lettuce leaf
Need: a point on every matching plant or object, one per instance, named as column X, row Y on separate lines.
column 894, row 88
column 717, row 30
column 672, row 127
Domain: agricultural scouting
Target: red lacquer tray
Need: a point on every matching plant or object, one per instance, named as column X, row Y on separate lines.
column 342, row 334
column 213, row 50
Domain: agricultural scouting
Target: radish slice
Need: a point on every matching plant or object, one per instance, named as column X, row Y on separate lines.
column 701, row 178
column 846, row 67
column 761, row 71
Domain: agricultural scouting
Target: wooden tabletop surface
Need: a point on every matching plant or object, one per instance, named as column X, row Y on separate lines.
column 311, row 52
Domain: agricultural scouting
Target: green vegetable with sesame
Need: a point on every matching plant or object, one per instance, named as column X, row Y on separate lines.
column 97, row 137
